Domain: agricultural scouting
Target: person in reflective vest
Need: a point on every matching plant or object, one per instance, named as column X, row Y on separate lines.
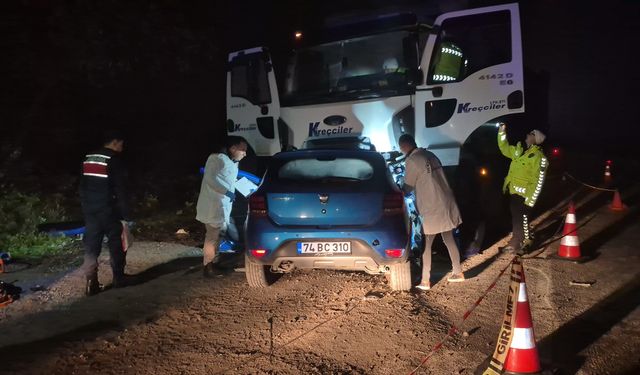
column 217, row 193
column 104, row 201
column 523, row 182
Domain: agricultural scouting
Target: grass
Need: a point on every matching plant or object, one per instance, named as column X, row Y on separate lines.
column 35, row 247
column 20, row 215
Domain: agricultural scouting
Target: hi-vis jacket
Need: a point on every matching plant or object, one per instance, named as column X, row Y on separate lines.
column 527, row 170
column 213, row 206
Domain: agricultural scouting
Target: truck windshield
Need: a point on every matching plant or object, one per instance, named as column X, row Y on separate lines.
column 367, row 67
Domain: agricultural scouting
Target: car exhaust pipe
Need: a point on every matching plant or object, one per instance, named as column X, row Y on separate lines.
column 285, row 267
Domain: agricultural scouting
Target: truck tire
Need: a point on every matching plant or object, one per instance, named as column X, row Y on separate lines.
column 400, row 276
column 258, row 276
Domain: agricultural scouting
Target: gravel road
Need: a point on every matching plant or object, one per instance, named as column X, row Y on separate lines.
column 326, row 322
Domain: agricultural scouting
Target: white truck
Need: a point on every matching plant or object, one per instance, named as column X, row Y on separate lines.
column 442, row 83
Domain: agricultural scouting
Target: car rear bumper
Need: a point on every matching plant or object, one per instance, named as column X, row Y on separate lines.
column 363, row 257
column 347, row 263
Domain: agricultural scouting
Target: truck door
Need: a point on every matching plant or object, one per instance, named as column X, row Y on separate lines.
column 253, row 106
column 472, row 67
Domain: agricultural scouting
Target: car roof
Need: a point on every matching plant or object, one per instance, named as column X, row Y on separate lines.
column 341, row 153
column 339, row 143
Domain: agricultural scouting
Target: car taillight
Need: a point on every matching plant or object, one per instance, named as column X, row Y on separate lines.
column 258, row 253
column 393, row 253
column 257, row 205
column 393, row 203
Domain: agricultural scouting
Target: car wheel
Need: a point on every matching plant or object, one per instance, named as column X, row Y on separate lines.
column 258, row 276
column 400, row 276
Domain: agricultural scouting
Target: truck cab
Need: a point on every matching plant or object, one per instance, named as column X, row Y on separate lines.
column 438, row 82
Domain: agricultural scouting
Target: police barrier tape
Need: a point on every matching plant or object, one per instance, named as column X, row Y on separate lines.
column 454, row 328
column 587, row 185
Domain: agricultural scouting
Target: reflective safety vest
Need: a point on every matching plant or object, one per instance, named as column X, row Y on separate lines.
column 527, row 170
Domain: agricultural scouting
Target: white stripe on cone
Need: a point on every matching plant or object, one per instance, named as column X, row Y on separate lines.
column 570, row 241
column 571, row 219
column 523, row 339
column 522, row 295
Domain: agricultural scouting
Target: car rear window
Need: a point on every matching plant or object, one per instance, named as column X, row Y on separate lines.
column 334, row 169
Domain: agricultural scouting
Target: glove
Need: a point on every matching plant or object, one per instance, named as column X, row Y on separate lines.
column 231, row 195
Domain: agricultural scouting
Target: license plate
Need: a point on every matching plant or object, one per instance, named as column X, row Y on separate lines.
column 324, row 247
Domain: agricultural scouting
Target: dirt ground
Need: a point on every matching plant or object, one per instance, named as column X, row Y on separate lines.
column 324, row 322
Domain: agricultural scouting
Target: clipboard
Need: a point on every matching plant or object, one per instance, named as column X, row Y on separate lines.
column 245, row 187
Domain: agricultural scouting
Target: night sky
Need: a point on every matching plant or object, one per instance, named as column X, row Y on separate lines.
column 156, row 68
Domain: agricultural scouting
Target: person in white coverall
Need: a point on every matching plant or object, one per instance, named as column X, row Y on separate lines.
column 217, row 192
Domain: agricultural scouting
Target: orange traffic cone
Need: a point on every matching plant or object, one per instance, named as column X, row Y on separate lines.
column 617, row 204
column 523, row 354
column 570, row 244
column 607, row 174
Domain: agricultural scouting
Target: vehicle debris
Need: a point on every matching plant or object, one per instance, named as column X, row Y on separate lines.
column 585, row 284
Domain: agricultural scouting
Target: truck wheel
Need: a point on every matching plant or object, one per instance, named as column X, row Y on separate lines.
column 258, row 276
column 400, row 276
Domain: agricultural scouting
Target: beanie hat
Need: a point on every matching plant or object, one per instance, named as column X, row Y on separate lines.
column 539, row 136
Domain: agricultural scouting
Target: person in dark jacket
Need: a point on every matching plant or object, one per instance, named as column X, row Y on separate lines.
column 104, row 205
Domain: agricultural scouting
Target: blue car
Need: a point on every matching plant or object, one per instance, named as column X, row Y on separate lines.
column 328, row 209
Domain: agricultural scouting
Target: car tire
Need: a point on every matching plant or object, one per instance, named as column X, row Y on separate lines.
column 258, row 276
column 400, row 276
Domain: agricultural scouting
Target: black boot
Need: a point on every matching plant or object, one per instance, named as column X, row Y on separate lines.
column 208, row 270
column 211, row 270
column 122, row 281
column 93, row 286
